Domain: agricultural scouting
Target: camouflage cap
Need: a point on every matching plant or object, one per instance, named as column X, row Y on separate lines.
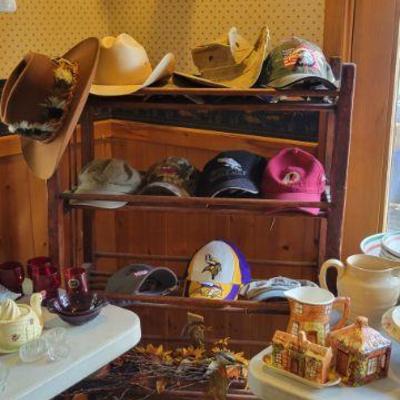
column 172, row 176
column 295, row 61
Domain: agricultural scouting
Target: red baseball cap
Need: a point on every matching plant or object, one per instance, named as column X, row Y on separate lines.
column 294, row 174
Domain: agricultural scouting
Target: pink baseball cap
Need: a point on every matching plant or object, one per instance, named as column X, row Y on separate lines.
column 294, row 174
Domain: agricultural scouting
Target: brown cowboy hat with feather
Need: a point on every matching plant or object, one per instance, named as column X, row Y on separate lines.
column 43, row 99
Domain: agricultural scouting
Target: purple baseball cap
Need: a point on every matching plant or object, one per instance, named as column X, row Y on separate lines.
column 294, row 174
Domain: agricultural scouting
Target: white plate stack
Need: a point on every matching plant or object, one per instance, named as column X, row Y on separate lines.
column 391, row 323
column 386, row 245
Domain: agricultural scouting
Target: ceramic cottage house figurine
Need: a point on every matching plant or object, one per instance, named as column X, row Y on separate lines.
column 361, row 354
column 299, row 356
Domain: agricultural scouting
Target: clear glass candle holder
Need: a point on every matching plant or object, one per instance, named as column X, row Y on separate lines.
column 33, row 350
column 52, row 344
column 57, row 347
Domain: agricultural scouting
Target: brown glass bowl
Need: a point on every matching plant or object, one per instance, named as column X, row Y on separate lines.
column 77, row 309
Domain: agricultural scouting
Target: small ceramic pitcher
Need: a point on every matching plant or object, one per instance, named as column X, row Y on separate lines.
column 310, row 310
column 372, row 283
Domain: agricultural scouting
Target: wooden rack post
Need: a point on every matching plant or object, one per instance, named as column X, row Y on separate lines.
column 87, row 151
column 340, row 160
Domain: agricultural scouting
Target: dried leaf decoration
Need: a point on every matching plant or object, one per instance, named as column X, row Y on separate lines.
column 240, row 358
column 158, row 352
column 218, row 384
column 160, row 385
column 197, row 353
column 151, row 370
column 80, row 396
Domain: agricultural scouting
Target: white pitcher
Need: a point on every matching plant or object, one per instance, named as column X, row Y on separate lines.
column 372, row 283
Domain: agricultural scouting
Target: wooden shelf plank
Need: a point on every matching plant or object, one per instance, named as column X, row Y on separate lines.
column 134, row 103
column 184, row 259
column 247, row 306
column 208, row 91
column 198, row 204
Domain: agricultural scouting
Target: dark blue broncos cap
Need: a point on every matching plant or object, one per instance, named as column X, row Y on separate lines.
column 234, row 173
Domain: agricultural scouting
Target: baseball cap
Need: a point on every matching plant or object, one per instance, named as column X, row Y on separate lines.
column 142, row 279
column 217, row 271
column 232, row 174
column 266, row 289
column 294, row 174
column 108, row 176
column 173, row 176
column 296, row 61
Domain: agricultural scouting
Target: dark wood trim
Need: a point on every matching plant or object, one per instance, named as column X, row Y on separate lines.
column 87, row 151
column 56, row 221
column 340, row 160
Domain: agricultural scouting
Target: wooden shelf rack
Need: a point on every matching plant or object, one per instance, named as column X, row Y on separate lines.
column 335, row 109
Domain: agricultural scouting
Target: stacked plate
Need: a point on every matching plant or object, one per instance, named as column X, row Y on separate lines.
column 386, row 245
column 391, row 322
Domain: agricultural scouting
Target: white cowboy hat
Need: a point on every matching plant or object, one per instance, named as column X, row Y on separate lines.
column 124, row 67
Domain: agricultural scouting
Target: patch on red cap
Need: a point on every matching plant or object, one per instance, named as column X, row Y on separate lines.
column 294, row 174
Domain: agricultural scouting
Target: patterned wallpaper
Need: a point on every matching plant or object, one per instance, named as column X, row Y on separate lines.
column 160, row 25
column 179, row 25
column 51, row 27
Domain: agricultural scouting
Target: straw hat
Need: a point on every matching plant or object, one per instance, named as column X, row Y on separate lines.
column 124, row 67
column 43, row 99
column 229, row 61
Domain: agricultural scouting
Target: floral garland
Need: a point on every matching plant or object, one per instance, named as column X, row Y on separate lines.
column 55, row 106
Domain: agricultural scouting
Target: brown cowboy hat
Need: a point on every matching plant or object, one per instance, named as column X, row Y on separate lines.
column 43, row 99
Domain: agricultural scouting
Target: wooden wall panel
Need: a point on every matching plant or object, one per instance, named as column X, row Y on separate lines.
column 21, row 223
column 364, row 31
column 23, row 201
column 338, row 28
column 157, row 233
column 372, row 130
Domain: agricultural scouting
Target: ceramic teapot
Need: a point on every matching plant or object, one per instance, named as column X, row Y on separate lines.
column 310, row 310
column 372, row 283
column 19, row 323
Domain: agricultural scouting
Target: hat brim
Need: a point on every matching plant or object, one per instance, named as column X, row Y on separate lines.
column 98, row 203
column 269, row 294
column 163, row 70
column 229, row 291
column 243, row 75
column 43, row 158
column 296, row 196
column 166, row 188
column 242, row 184
column 292, row 79
column 125, row 281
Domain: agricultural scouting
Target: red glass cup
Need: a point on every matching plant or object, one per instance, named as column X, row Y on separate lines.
column 46, row 279
column 75, row 280
column 42, row 263
column 12, row 275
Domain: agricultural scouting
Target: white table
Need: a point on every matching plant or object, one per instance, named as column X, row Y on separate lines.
column 267, row 384
column 93, row 345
